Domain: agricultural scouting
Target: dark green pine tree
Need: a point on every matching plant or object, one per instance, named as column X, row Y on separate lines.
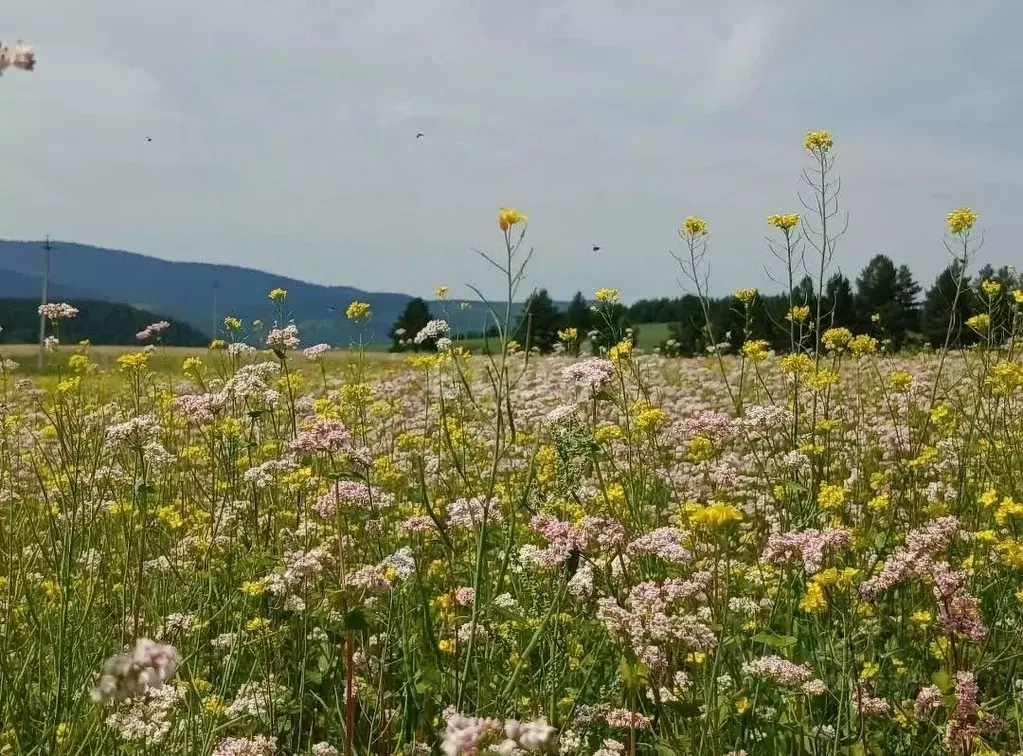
column 578, row 315
column 876, row 290
column 414, row 318
column 907, row 297
column 940, row 318
column 839, row 303
column 539, row 322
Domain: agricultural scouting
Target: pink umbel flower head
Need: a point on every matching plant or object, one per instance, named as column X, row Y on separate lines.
column 148, row 664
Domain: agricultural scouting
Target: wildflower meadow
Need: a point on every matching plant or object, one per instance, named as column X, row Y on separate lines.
column 283, row 548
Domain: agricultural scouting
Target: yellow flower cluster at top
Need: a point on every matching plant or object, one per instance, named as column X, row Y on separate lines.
column 278, row 293
column 694, row 226
column 786, row 222
column 568, row 335
column 606, row 296
column 509, row 216
column 961, row 220
column 745, row 295
column 818, row 141
column 358, row 311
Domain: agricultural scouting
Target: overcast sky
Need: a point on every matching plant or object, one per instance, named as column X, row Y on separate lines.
column 283, row 132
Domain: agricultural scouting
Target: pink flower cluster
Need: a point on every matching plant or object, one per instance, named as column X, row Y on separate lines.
column 344, row 494
column 651, row 618
column 562, row 538
column 326, row 436
column 958, row 611
column 127, row 674
column 784, row 672
column 58, row 311
column 472, row 513
column 315, row 353
column 595, row 373
column 283, row 339
column 151, row 330
column 916, row 559
column 809, row 545
column 927, row 701
column 261, row 745
column 468, row 736
column 625, row 719
column 664, row 543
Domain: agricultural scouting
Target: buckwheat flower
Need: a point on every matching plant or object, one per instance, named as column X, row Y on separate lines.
column 128, row 674
column 58, row 311
column 808, row 545
column 417, row 524
column 324, row 749
column 432, row 330
column 326, row 436
column 580, row 585
column 261, row 745
column 145, row 718
column 778, row 670
column 962, row 724
column 610, row 747
column 283, row 339
column 444, row 344
column 465, row 596
column 927, row 702
column 917, row 558
column 346, row 494
column 472, row 513
column 625, row 719
column 464, row 735
column 315, row 353
column 594, row 373
column 664, row 543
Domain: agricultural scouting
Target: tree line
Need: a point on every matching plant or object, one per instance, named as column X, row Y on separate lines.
column 886, row 301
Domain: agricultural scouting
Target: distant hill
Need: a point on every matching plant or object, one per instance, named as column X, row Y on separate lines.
column 187, row 290
column 100, row 322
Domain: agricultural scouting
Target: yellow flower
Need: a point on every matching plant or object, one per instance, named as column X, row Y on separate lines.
column 214, row 705
column 755, row 351
column 922, row 618
column 786, row 222
column 822, row 379
column 879, row 503
column 869, row 671
column 620, row 352
column 836, row 339
column 257, row 625
column 278, row 293
column 254, row 587
column 606, row 296
column 814, row 600
column 218, row 344
column 78, row 363
column 961, row 220
column 798, row 314
column 694, row 226
column 130, row 361
column 508, row 217
column 1017, row 294
column 863, row 345
column 446, row 645
column 742, row 704
column 875, row 317
column 796, row 364
column 358, row 311
column 745, row 295
column 717, row 515
column 990, row 287
column 831, row 497
column 441, row 292
column 979, row 323
column 651, row 420
column 900, row 381
column 818, row 141
column 701, row 449
column 568, row 335
column 232, row 323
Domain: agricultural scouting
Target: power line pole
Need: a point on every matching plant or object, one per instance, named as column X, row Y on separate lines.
column 213, row 332
column 46, row 293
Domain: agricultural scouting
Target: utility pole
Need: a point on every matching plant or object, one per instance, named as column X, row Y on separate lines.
column 213, row 333
column 46, row 293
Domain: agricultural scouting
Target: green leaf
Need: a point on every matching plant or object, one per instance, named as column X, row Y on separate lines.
column 775, row 641
column 942, row 680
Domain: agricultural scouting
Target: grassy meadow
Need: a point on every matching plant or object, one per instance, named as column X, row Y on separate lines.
column 294, row 550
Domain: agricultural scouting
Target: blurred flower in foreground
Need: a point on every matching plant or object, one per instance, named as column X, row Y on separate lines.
column 818, row 141
column 18, row 55
column 694, row 226
column 126, row 675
